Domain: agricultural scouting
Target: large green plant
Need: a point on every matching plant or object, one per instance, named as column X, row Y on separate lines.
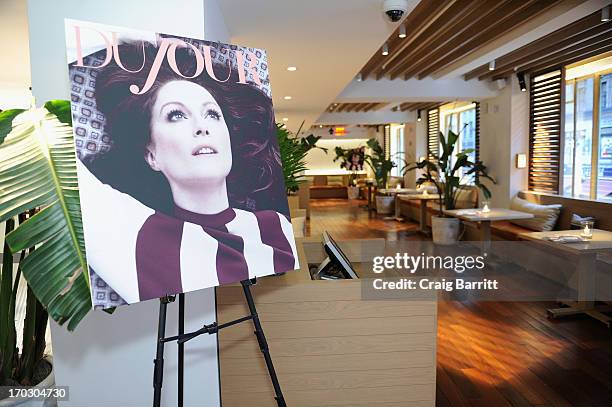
column 379, row 163
column 345, row 155
column 444, row 172
column 38, row 186
column 293, row 152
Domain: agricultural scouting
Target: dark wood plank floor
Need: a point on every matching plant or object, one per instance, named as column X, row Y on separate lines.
column 496, row 353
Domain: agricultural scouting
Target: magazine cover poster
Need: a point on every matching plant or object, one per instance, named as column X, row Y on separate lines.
column 180, row 177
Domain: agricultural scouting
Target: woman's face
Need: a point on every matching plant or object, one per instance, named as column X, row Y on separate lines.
column 190, row 141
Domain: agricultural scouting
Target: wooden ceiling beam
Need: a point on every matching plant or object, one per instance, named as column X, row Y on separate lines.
column 363, row 107
column 359, row 106
column 352, row 107
column 577, row 27
column 523, row 13
column 437, row 9
column 558, row 57
column 413, row 23
column 405, row 106
column 371, row 106
column 497, row 11
column 577, row 56
column 596, row 34
column 341, row 107
column 453, row 20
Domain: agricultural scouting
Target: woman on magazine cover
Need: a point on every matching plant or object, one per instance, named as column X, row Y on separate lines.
column 190, row 194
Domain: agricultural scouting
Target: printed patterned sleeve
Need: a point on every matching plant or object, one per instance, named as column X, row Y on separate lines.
column 111, row 222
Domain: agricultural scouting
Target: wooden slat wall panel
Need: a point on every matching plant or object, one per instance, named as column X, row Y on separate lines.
column 545, row 131
column 433, row 130
column 329, row 346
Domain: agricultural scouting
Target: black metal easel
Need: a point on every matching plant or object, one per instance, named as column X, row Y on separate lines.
column 210, row 329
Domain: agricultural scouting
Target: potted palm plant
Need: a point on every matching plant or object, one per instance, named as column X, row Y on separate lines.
column 293, row 151
column 40, row 204
column 450, row 173
column 351, row 160
column 381, row 166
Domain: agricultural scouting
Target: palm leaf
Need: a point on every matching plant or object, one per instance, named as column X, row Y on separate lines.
column 38, row 169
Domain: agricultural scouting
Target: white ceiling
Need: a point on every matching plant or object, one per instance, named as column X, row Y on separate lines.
column 328, row 40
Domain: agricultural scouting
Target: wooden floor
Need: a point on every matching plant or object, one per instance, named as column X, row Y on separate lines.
column 493, row 353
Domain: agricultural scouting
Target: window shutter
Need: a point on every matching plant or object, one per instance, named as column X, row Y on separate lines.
column 433, row 130
column 545, row 132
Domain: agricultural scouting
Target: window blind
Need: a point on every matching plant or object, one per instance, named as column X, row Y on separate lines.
column 433, row 130
column 545, row 131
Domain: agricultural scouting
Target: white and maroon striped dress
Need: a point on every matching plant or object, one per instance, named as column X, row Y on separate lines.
column 144, row 254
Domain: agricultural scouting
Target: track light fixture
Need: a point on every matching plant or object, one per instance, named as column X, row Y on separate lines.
column 418, row 115
column 359, row 77
column 492, row 65
column 521, row 78
column 385, row 49
column 402, row 31
column 605, row 14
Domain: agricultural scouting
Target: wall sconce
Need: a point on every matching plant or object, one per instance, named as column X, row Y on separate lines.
column 521, row 161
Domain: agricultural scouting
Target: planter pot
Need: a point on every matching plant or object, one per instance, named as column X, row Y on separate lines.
column 47, row 382
column 445, row 231
column 353, row 192
column 294, row 201
column 299, row 226
column 385, row 204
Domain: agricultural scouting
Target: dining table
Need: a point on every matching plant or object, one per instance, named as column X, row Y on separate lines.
column 485, row 217
column 586, row 251
column 423, row 198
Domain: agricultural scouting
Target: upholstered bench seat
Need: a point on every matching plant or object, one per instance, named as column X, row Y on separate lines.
column 505, row 230
column 328, row 191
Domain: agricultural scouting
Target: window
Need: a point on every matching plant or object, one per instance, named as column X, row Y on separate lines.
column 397, row 153
column 604, row 173
column 578, row 141
column 587, row 136
column 463, row 121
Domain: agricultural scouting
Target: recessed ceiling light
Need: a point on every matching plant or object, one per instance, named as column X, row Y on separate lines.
column 320, row 126
column 292, row 68
column 287, row 98
column 285, row 119
column 359, row 77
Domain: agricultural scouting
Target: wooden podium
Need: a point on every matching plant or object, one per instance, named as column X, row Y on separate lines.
column 328, row 345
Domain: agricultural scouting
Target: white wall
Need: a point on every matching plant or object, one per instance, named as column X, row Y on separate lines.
column 318, row 162
column 108, row 361
column 504, row 132
column 14, row 75
column 410, row 152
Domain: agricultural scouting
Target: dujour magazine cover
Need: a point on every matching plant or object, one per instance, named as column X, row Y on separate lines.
column 179, row 170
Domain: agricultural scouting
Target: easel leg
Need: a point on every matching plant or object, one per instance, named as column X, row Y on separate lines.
column 181, row 350
column 263, row 344
column 158, row 372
